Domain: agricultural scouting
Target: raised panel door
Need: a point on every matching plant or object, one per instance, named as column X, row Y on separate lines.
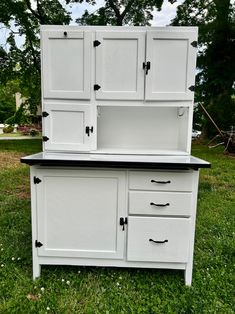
column 66, row 125
column 66, row 64
column 172, row 65
column 119, row 65
column 78, row 213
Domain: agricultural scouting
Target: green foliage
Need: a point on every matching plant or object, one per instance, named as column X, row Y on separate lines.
column 23, row 64
column 8, row 129
column 21, row 116
column 98, row 290
column 121, row 12
column 7, row 100
column 33, row 132
column 216, row 62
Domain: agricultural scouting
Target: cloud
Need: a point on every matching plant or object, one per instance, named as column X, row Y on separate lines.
column 167, row 13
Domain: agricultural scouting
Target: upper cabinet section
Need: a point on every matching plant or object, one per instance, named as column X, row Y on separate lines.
column 66, row 64
column 171, row 56
column 119, row 63
column 119, row 59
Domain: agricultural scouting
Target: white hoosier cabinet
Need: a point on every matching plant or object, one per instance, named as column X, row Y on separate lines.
column 115, row 184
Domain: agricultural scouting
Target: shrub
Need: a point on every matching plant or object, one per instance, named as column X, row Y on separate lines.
column 24, row 129
column 8, row 129
column 33, row 132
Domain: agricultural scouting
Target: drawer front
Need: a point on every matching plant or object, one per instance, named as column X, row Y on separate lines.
column 161, row 181
column 160, row 203
column 172, row 234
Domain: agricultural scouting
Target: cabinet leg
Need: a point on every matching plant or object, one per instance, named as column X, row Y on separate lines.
column 36, row 270
column 188, row 275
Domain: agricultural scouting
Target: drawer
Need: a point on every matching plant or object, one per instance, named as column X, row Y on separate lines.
column 172, row 235
column 160, row 203
column 161, row 181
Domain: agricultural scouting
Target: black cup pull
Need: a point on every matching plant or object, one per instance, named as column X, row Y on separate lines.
column 161, row 182
column 164, row 241
column 160, row 205
column 65, row 34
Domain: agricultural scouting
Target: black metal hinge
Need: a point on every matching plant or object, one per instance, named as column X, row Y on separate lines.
column 36, row 180
column 45, row 114
column 96, row 43
column 123, row 222
column 45, row 138
column 38, row 244
column 96, row 87
column 146, row 66
column 192, row 88
column 89, row 130
column 194, row 43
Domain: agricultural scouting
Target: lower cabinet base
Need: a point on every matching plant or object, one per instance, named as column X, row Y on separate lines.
column 113, row 218
column 110, row 263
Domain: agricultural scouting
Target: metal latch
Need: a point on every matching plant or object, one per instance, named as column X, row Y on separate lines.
column 123, row 222
column 146, row 66
column 89, row 130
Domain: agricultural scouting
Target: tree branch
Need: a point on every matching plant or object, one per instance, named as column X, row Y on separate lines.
column 128, row 6
column 116, row 11
column 37, row 14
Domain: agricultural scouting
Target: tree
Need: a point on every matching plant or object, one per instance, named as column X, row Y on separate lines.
column 23, row 64
column 7, row 100
column 216, row 59
column 121, row 12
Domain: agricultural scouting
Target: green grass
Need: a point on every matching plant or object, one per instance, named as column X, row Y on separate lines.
column 117, row 290
column 10, row 135
column 15, row 135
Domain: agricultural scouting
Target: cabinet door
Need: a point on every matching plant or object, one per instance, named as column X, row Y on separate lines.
column 78, row 213
column 69, row 127
column 172, row 65
column 66, row 59
column 119, row 65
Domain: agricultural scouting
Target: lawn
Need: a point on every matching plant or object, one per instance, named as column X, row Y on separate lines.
column 114, row 290
column 10, row 135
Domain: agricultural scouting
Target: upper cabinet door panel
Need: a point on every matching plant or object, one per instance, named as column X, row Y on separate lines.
column 66, row 64
column 119, row 65
column 173, row 60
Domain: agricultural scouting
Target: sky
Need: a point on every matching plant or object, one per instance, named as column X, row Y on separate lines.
column 161, row 18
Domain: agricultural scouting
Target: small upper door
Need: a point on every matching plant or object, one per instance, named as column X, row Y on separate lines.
column 172, row 60
column 69, row 127
column 119, row 65
column 66, row 64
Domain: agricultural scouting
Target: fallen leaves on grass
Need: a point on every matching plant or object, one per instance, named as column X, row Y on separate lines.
column 10, row 160
column 33, row 297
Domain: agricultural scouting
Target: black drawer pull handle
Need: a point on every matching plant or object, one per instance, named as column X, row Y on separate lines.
column 160, row 205
column 164, row 241
column 161, row 182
